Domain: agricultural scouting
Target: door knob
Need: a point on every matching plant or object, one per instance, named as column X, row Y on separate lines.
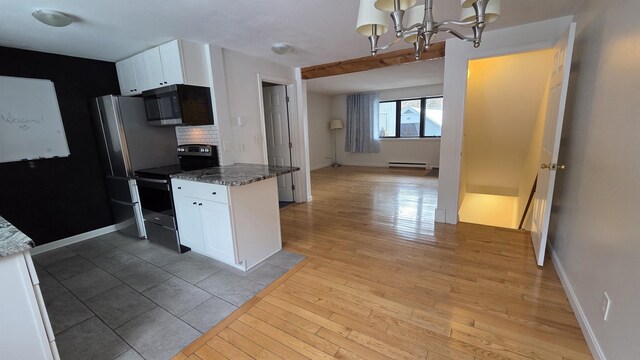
column 545, row 166
column 561, row 167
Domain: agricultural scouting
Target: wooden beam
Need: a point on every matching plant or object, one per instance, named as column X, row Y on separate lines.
column 435, row 51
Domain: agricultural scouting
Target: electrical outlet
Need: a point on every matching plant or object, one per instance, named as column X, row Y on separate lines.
column 605, row 306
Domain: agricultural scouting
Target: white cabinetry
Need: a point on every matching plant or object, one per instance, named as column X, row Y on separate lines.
column 164, row 65
column 238, row 225
column 25, row 331
column 176, row 62
column 132, row 75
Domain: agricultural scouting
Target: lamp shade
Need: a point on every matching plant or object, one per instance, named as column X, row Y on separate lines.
column 466, row 3
column 414, row 16
column 335, row 124
column 387, row 5
column 491, row 14
column 52, row 18
column 368, row 15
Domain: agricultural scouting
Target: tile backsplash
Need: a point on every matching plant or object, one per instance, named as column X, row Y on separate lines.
column 205, row 134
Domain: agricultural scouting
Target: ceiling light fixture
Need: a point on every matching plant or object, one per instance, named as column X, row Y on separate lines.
column 281, row 48
column 420, row 27
column 52, row 18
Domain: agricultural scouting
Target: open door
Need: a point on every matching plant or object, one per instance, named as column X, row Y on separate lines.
column 276, row 116
column 558, row 84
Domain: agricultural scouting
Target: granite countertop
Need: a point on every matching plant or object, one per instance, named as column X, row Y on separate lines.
column 12, row 240
column 236, row 174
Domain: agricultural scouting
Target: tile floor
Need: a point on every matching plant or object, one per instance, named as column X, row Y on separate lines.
column 116, row 297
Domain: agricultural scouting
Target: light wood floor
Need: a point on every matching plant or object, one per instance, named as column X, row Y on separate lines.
column 383, row 281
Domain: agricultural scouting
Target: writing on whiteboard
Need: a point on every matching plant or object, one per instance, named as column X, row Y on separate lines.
column 22, row 123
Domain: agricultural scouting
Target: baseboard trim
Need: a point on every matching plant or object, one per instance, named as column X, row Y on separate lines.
column 590, row 337
column 73, row 239
column 320, row 166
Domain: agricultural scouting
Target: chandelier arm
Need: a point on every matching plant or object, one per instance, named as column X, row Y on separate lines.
column 456, row 22
column 458, row 35
column 388, row 45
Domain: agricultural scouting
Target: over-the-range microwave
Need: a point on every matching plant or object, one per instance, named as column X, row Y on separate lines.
column 178, row 105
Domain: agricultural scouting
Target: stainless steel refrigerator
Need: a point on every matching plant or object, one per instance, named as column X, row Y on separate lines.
column 127, row 143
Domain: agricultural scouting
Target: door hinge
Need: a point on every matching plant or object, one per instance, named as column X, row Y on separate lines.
column 293, row 187
column 290, row 145
column 287, row 99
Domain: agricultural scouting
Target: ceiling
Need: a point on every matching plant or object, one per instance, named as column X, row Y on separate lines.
column 320, row 31
column 395, row 77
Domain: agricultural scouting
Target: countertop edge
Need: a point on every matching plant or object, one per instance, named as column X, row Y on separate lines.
column 235, row 175
column 12, row 240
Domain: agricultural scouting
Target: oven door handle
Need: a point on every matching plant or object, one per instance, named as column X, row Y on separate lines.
column 156, row 181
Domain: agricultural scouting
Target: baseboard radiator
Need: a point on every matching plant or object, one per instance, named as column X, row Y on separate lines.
column 404, row 164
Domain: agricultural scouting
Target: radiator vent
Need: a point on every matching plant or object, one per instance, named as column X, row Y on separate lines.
column 404, row 164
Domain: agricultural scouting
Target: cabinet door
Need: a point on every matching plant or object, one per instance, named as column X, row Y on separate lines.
column 21, row 323
column 126, row 76
column 153, row 65
column 216, row 226
column 189, row 226
column 142, row 81
column 171, row 62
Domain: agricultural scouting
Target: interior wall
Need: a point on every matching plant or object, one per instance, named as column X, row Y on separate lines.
column 407, row 150
column 502, row 135
column 242, row 85
column 60, row 197
column 502, row 105
column 531, row 164
column 529, row 37
column 320, row 141
column 594, row 220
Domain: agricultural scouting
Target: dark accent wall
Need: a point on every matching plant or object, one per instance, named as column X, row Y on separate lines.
column 53, row 199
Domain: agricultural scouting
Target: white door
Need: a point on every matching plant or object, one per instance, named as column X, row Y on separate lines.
column 277, row 130
column 558, row 84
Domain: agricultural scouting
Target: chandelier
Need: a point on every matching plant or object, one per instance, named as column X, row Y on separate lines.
column 415, row 23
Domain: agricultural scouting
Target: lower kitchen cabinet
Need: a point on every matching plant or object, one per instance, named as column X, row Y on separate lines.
column 238, row 225
column 25, row 329
column 189, row 223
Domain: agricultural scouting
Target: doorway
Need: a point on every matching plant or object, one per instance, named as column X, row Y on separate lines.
column 504, row 120
column 279, row 146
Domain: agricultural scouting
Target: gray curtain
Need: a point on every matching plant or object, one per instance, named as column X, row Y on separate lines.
column 362, row 123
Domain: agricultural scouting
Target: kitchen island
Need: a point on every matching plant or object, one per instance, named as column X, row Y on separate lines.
column 24, row 322
column 230, row 213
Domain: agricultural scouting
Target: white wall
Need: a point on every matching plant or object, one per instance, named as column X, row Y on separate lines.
column 531, row 163
column 503, row 99
column 320, row 145
column 243, row 93
column 594, row 222
column 408, row 150
column 528, row 37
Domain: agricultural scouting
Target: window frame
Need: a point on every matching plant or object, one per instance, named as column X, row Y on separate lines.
column 423, row 107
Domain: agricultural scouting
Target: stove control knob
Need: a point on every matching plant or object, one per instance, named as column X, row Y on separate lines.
column 202, row 150
column 206, row 150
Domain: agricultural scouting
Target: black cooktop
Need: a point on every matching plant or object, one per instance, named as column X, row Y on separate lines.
column 161, row 172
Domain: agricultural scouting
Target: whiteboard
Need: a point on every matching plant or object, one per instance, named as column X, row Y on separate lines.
column 30, row 121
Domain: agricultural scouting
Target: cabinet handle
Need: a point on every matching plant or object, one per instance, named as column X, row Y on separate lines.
column 160, row 83
column 194, row 203
column 213, row 193
column 199, row 204
column 165, row 82
column 179, row 187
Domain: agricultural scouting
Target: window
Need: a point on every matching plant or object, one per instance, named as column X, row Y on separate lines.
column 412, row 118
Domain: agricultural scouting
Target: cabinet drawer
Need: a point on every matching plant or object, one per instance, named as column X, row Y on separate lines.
column 204, row 191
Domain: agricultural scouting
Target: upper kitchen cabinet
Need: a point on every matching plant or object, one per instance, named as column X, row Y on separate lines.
column 176, row 62
column 132, row 75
